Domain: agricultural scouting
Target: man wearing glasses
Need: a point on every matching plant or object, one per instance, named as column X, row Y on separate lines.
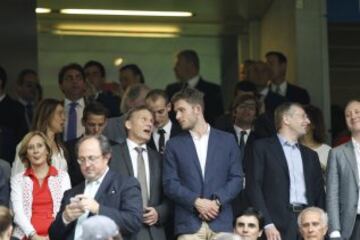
column 104, row 192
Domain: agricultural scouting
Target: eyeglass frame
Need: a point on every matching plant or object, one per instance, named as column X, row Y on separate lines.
column 91, row 159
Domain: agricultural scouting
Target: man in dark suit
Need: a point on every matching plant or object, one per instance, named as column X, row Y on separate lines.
column 71, row 81
column 128, row 160
column 202, row 171
column 104, row 192
column 95, row 74
column 284, row 176
column 94, row 121
column 26, row 93
column 244, row 111
column 12, row 122
column 260, row 74
column 279, row 85
column 187, row 69
column 164, row 129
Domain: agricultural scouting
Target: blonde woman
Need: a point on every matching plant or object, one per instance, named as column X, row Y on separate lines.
column 37, row 191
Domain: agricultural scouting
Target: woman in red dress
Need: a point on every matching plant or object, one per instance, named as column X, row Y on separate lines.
column 36, row 193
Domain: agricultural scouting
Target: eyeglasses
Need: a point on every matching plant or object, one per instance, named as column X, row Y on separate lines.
column 89, row 159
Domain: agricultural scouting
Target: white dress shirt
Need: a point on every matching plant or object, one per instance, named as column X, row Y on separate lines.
column 133, row 155
column 2, row 97
column 201, row 145
column 80, row 130
column 156, row 135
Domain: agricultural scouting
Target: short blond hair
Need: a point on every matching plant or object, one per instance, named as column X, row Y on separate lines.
column 24, row 147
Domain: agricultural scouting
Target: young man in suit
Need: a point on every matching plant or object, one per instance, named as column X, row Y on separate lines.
column 187, row 71
column 342, row 181
column 284, row 176
column 202, row 171
column 134, row 158
column 96, row 76
column 293, row 93
column 94, row 121
column 71, row 81
column 104, row 192
column 158, row 102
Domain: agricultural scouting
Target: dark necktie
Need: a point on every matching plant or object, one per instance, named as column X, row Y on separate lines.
column 242, row 140
column 161, row 133
column 29, row 113
column 141, row 176
column 72, row 121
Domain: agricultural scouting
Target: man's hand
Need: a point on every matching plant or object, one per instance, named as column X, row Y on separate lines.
column 72, row 211
column 151, row 216
column 272, row 233
column 208, row 209
column 88, row 204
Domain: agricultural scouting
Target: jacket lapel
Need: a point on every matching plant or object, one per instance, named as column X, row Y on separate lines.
column 351, row 158
column 192, row 151
column 103, row 186
column 210, row 152
column 152, row 173
column 126, row 158
column 279, row 155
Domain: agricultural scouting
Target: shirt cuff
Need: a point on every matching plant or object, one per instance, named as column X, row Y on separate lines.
column 335, row 234
column 269, row 225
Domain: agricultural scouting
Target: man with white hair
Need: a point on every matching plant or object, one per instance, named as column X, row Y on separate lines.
column 313, row 223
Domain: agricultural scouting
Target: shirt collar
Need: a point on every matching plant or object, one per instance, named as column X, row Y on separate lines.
column 239, row 129
column 282, row 87
column 355, row 143
column 166, row 127
column 30, row 172
column 285, row 142
column 132, row 145
column 99, row 180
column 195, row 135
column 264, row 92
column 193, row 81
column 80, row 102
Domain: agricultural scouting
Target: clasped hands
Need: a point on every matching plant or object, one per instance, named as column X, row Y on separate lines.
column 79, row 205
column 208, row 209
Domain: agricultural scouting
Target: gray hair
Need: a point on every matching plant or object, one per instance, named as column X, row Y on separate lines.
column 104, row 143
column 322, row 213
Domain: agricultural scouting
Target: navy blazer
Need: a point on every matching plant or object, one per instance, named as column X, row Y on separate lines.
column 268, row 181
column 119, row 198
column 183, row 180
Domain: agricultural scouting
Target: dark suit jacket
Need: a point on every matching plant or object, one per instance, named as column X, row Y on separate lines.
column 268, row 184
column 119, row 198
column 297, row 94
column 74, row 171
column 175, row 129
column 183, row 181
column 272, row 101
column 121, row 162
column 212, row 97
column 111, row 102
column 12, row 127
